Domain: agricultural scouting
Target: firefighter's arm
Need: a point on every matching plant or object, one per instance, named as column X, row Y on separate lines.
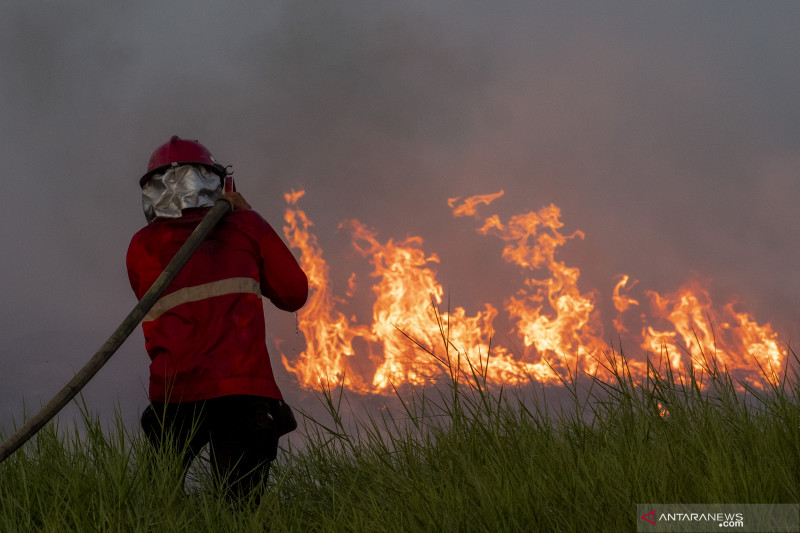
column 282, row 279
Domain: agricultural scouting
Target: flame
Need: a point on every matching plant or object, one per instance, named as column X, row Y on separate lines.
column 468, row 206
column 622, row 303
column 328, row 333
column 738, row 344
column 558, row 324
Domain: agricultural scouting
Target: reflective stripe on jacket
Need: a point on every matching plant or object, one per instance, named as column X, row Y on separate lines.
column 206, row 336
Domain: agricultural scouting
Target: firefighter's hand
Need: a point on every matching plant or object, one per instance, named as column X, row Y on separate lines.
column 237, row 200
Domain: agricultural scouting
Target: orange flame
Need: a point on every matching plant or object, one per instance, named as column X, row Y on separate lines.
column 558, row 324
column 328, row 333
column 468, row 206
column 622, row 303
column 567, row 333
column 739, row 343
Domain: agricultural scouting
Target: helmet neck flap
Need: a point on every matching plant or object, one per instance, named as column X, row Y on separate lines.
column 166, row 194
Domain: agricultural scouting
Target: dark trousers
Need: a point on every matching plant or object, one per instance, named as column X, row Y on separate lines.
column 243, row 433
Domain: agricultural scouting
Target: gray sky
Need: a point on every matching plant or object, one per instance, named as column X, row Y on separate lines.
column 667, row 132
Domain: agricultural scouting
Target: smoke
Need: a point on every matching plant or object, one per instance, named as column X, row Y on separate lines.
column 667, row 133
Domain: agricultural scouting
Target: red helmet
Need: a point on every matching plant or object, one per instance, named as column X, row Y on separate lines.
column 181, row 151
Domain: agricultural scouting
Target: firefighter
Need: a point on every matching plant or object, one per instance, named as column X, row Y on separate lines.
column 211, row 381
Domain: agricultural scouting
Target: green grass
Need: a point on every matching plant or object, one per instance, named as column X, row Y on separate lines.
column 461, row 456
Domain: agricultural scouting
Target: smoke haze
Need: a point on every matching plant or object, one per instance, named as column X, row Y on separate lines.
column 668, row 133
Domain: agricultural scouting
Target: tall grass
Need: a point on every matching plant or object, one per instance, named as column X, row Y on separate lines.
column 461, row 456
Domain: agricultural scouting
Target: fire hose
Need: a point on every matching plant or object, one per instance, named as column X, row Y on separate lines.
column 85, row 374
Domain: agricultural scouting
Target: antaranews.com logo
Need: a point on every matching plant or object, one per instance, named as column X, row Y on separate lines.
column 718, row 517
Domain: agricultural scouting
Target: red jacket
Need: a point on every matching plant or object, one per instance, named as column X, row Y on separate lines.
column 205, row 335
